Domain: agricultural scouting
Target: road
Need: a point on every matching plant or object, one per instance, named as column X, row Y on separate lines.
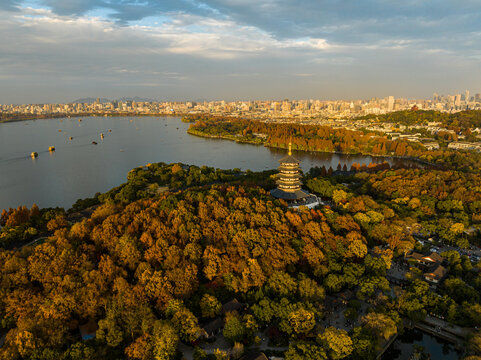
column 33, row 242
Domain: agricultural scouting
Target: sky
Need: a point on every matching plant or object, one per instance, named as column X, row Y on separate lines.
column 54, row 51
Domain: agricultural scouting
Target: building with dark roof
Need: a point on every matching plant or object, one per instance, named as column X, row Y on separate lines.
column 255, row 356
column 213, row 327
column 433, row 259
column 431, row 265
column 88, row 330
column 437, row 273
column 233, row 305
column 289, row 184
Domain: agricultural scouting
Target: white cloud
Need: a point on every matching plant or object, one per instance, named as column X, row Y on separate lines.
column 202, row 37
column 186, row 51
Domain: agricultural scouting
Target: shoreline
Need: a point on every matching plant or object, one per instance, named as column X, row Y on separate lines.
column 221, row 137
column 224, row 137
column 65, row 115
column 266, row 144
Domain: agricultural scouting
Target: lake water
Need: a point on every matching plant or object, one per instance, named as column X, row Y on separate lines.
column 403, row 347
column 79, row 169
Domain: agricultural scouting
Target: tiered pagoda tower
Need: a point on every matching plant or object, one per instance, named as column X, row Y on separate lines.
column 289, row 185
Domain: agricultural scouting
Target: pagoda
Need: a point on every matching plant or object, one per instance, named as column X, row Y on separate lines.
column 289, row 184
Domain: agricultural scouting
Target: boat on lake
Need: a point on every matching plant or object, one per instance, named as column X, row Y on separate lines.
column 94, row 142
column 51, row 148
column 34, row 154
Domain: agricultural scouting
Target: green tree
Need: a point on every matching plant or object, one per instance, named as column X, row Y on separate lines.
column 234, row 329
column 164, row 340
column 310, row 290
column 339, row 196
column 281, row 284
column 364, row 344
column 109, row 330
column 80, row 351
column 333, row 283
column 474, row 343
column 380, row 325
column 305, row 351
column 210, row 306
column 302, row 321
column 186, row 325
column 337, row 342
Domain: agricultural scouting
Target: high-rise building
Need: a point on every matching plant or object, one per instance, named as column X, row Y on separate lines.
column 466, row 95
column 457, row 100
column 390, row 103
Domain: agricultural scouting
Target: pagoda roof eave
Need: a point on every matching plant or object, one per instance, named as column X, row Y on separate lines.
column 289, row 195
column 289, row 159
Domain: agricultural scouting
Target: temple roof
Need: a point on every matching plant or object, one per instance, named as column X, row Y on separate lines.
column 289, row 159
column 289, row 195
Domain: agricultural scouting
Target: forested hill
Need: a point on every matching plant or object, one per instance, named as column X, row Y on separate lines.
column 148, row 269
column 328, row 139
column 458, row 121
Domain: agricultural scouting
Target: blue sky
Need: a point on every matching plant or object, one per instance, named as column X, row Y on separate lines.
column 59, row 50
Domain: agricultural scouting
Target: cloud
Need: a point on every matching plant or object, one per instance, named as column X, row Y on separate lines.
column 74, row 7
column 242, row 48
column 341, row 22
column 124, row 11
column 10, row 5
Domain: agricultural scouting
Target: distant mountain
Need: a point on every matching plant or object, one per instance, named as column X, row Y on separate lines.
column 91, row 100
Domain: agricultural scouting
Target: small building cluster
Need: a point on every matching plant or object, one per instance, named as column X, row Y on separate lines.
column 431, row 265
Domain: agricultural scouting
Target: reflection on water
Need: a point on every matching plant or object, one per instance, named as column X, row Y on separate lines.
column 403, row 347
column 79, row 169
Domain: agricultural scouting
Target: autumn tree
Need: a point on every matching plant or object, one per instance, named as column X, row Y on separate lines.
column 337, row 342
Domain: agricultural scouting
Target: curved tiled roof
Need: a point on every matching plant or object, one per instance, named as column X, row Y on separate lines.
column 289, row 195
column 289, row 159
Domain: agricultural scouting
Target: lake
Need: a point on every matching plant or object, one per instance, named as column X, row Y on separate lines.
column 403, row 347
column 79, row 169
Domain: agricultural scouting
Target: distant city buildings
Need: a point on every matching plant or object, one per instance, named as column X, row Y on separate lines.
column 262, row 110
column 335, row 114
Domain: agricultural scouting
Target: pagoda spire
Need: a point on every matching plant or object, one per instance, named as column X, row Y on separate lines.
column 290, row 148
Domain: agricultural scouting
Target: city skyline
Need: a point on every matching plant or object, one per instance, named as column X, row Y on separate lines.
column 455, row 99
column 315, row 110
column 236, row 50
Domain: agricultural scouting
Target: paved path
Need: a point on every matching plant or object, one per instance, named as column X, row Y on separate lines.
column 32, row 242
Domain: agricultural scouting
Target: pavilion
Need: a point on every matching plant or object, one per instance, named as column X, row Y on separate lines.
column 289, row 184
